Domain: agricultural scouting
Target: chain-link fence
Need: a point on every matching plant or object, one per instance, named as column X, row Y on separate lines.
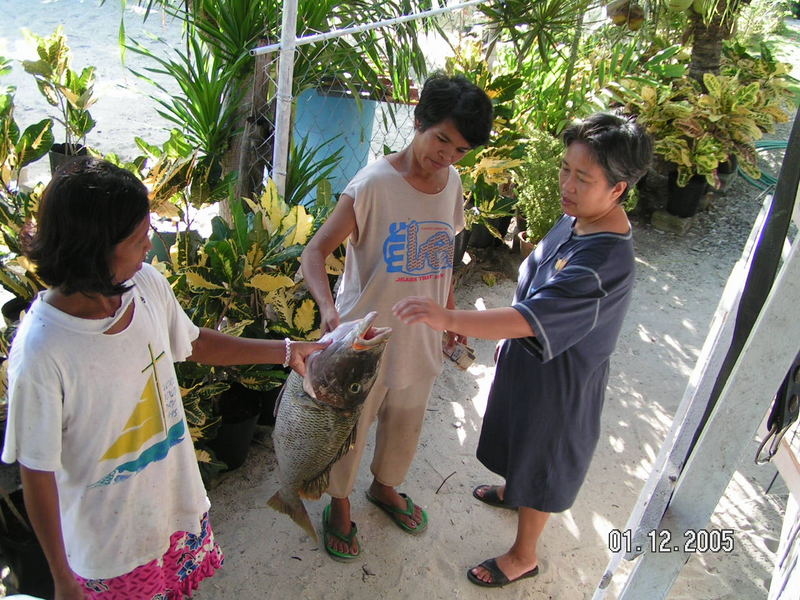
column 328, row 102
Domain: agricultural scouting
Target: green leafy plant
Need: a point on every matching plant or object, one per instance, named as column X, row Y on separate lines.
column 221, row 284
column 242, row 281
column 378, row 62
column 67, row 90
column 777, row 88
column 205, row 110
column 487, row 172
column 18, row 148
column 698, row 128
column 538, row 189
column 307, row 174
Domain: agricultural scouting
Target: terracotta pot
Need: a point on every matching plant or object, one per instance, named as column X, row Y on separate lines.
column 525, row 247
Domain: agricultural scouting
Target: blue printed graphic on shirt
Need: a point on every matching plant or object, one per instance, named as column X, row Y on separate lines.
column 419, row 247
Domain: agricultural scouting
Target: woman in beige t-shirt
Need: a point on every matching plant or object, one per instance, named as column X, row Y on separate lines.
column 400, row 216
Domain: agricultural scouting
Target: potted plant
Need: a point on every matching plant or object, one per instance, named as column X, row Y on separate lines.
column 698, row 128
column 538, row 188
column 21, row 548
column 241, row 280
column 487, row 172
column 18, row 148
column 67, row 90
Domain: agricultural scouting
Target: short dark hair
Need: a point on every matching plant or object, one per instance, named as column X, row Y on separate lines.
column 619, row 145
column 88, row 207
column 444, row 97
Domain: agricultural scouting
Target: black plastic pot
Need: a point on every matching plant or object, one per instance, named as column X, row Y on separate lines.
column 61, row 154
column 684, row 201
column 460, row 246
column 481, row 237
column 268, row 401
column 22, row 551
column 163, row 240
column 12, row 309
column 239, row 408
column 727, row 173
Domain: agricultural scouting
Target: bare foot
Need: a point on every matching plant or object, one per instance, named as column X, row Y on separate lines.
column 340, row 521
column 388, row 495
column 510, row 564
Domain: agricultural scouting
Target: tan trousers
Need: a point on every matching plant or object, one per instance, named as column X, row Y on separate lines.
column 400, row 413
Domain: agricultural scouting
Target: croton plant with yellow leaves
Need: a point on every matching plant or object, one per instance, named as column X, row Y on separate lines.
column 487, row 172
column 244, row 280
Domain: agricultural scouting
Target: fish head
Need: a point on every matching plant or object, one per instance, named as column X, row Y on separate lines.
column 342, row 374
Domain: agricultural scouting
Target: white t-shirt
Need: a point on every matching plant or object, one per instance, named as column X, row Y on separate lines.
column 104, row 413
column 403, row 246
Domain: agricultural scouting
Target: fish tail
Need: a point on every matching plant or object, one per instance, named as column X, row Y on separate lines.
column 296, row 511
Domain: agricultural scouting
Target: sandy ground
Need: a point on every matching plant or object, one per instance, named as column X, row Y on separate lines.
column 679, row 281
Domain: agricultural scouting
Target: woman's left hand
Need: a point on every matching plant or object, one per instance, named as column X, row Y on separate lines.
column 418, row 309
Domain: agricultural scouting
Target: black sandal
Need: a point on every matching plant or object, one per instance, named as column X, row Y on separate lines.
column 490, row 496
column 499, row 578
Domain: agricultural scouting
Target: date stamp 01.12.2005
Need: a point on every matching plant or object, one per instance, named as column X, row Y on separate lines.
column 663, row 540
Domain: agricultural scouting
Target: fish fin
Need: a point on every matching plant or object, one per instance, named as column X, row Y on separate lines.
column 296, row 511
column 313, row 488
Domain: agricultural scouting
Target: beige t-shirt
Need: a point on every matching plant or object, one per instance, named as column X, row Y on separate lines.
column 403, row 247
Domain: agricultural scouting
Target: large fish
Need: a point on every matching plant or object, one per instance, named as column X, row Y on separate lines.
column 316, row 415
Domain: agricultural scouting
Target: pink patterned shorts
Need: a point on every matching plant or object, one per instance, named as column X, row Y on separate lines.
column 189, row 559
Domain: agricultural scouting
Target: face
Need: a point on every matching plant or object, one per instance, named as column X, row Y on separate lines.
column 585, row 190
column 439, row 146
column 128, row 255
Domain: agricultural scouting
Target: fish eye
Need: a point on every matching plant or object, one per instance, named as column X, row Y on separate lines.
column 355, row 388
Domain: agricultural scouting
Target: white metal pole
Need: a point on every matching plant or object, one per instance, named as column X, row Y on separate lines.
column 283, row 110
column 319, row 37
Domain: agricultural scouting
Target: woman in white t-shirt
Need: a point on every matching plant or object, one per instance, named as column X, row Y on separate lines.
column 95, row 418
column 400, row 216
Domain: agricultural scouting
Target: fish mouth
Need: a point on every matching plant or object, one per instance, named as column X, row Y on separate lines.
column 368, row 336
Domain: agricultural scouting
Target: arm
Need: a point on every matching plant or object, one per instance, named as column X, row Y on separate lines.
column 492, row 324
column 41, row 502
column 215, row 348
column 452, row 336
column 340, row 224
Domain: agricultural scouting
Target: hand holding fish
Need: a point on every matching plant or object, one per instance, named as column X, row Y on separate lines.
column 298, row 353
column 328, row 320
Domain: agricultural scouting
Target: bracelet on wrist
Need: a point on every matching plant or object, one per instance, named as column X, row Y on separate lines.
column 288, row 355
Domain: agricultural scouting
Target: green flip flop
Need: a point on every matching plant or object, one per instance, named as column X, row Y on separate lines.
column 396, row 513
column 327, row 529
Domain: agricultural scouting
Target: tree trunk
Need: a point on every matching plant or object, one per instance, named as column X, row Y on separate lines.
column 708, row 38
column 250, row 149
column 258, row 138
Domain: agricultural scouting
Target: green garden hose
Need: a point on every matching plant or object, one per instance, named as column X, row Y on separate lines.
column 766, row 181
